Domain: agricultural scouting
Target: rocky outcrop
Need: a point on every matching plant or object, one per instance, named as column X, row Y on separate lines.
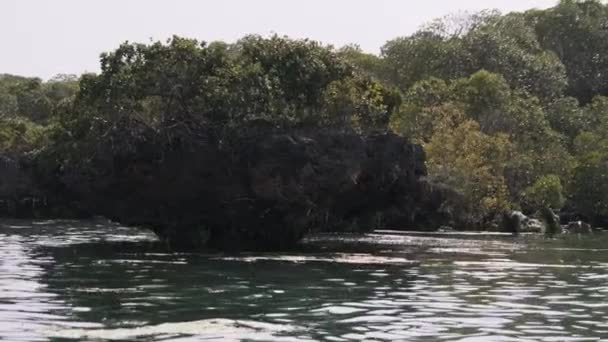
column 534, row 225
column 513, row 222
column 578, row 227
column 550, row 221
column 262, row 189
column 516, row 222
column 22, row 196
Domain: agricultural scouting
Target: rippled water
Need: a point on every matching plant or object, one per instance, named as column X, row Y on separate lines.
column 91, row 280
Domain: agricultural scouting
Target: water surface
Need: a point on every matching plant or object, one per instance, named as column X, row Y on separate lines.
column 93, row 280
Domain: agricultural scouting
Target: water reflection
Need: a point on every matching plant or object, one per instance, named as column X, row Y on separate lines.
column 27, row 306
column 94, row 280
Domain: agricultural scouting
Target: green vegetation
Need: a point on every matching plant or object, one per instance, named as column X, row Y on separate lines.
column 511, row 110
column 546, row 191
column 534, row 84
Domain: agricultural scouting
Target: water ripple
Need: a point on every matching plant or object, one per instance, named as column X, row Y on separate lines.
column 82, row 280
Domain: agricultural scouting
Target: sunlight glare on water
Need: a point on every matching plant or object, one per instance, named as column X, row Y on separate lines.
column 92, row 280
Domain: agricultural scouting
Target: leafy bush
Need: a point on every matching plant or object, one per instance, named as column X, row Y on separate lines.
column 546, row 191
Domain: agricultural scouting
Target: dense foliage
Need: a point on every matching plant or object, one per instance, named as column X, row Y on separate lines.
column 511, row 110
column 524, row 97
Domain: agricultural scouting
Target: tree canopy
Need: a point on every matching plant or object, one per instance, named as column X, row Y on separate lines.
column 511, row 110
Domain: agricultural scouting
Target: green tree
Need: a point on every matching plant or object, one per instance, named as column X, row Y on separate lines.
column 8, row 105
column 34, row 105
column 365, row 63
column 473, row 163
column 508, row 46
column 567, row 117
column 504, row 45
column 21, row 96
column 19, row 136
column 422, row 106
column 589, row 189
column 596, row 113
column 423, row 55
column 60, row 87
column 359, row 103
column 546, row 191
column 576, row 32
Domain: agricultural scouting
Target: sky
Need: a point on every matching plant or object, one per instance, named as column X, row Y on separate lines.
column 44, row 38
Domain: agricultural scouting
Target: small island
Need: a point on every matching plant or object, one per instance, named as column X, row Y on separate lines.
column 451, row 185
column 251, row 145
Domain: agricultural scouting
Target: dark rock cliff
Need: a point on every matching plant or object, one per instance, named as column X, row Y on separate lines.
column 263, row 189
column 22, row 196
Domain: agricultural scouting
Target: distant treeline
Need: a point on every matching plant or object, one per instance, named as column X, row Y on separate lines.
column 511, row 109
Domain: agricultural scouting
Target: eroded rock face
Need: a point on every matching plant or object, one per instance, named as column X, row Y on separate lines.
column 578, row 227
column 534, row 226
column 21, row 196
column 260, row 189
column 265, row 189
column 514, row 222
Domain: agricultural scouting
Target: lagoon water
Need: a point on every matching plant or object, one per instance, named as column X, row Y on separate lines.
column 93, row 280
